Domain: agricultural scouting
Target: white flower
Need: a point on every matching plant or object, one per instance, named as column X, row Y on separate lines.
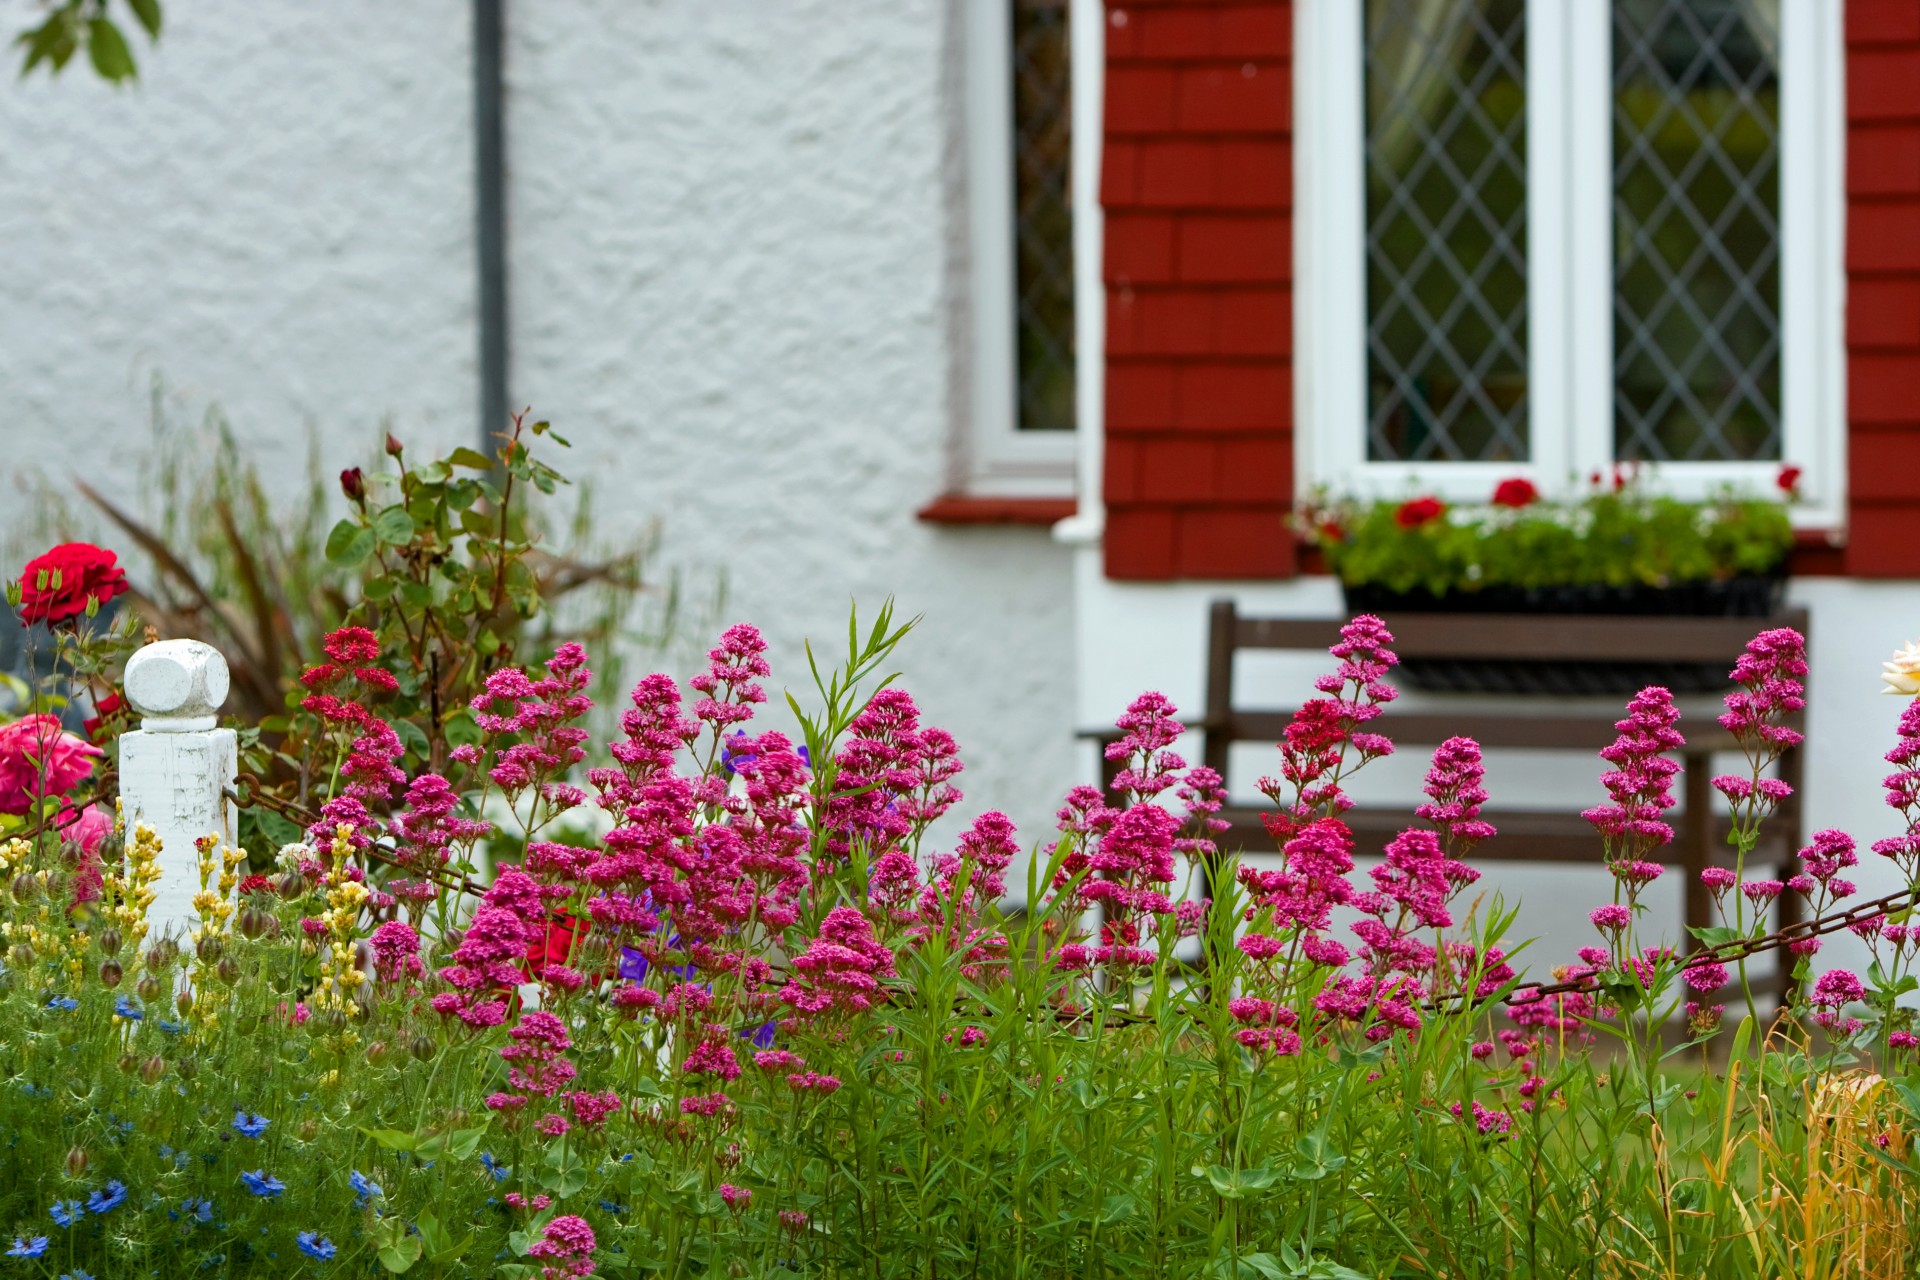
column 1902, row 672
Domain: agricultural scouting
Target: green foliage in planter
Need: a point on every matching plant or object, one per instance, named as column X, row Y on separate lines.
column 1623, row 538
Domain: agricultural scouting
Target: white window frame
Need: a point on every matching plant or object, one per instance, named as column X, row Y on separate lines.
column 1570, row 264
column 997, row 459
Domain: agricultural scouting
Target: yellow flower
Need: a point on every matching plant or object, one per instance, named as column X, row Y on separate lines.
column 1902, row 672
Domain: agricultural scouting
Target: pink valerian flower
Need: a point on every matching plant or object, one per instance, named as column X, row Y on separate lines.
column 1640, row 784
column 1612, row 918
column 877, row 773
column 1311, row 880
column 1380, row 1005
column 1204, row 792
column 1131, row 866
column 38, row 758
column 541, row 716
column 590, row 1110
column 935, row 760
column 492, row 950
column 707, row 1104
column 1455, row 792
column 980, row 861
column 1832, row 992
column 840, row 971
column 1704, row 976
column 712, row 1056
column 1487, row 1121
column 1313, row 752
column 1769, row 674
column 655, row 732
column 1830, row 853
column 426, row 833
column 735, row 1198
column 1903, row 795
column 1149, row 765
column 568, row 1242
column 540, row 1042
column 728, row 682
column 553, row 1125
column 813, row 1082
column 396, row 952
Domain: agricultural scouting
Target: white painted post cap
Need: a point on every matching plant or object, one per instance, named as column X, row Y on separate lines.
column 177, row 686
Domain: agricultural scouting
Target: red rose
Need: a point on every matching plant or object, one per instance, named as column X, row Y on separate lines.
column 85, row 572
column 1789, row 480
column 1418, row 511
column 1516, row 493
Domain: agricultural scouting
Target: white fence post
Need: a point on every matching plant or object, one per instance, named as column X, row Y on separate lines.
column 177, row 771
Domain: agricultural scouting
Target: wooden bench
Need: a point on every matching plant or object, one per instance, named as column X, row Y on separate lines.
column 1515, row 722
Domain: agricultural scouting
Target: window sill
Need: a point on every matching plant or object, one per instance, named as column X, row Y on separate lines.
column 1817, row 553
column 965, row 509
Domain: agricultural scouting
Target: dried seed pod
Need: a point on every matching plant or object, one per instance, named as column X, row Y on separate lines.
column 148, row 988
column 210, row 948
column 252, row 922
column 162, row 953
column 77, row 1161
column 422, row 1046
column 110, row 941
column 129, row 1064
column 153, row 1068
column 184, row 1003
column 187, row 1067
column 26, row 887
column 378, row 1052
column 111, row 973
column 228, row 970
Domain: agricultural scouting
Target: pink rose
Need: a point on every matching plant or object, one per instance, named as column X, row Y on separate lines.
column 38, row 758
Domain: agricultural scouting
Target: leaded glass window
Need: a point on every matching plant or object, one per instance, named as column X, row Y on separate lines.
column 1696, row 216
column 1043, row 219
column 1446, row 236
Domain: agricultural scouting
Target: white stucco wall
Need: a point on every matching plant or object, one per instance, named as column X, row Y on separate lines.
column 1855, row 625
column 735, row 256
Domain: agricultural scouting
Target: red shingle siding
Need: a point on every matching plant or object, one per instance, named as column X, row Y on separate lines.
column 1883, row 287
column 1197, row 184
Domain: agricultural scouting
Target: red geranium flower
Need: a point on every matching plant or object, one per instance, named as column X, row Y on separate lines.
column 1418, row 511
column 1789, row 480
column 1516, row 493
column 85, row 572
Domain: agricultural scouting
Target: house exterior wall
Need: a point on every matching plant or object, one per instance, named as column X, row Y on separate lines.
column 737, row 269
column 1169, row 482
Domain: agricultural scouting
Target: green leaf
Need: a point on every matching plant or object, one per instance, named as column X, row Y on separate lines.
column 394, row 527
column 460, row 729
column 349, row 544
column 107, row 50
column 1717, row 935
column 148, row 13
column 1234, row 1184
column 438, row 1243
column 470, row 458
column 413, row 736
column 391, row 1139
column 401, row 1254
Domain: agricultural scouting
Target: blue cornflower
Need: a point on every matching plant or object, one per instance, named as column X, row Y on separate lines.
column 315, row 1245
column 364, row 1188
column 250, row 1126
column 76, row 1275
column 28, row 1248
column 68, row 1212
column 127, row 1008
column 107, row 1199
column 201, row 1208
column 262, row 1183
column 171, row 1028
column 499, row 1171
column 62, row 1002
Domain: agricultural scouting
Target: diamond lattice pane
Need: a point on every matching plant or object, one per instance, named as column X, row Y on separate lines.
column 1446, row 230
column 1696, row 218
column 1043, row 218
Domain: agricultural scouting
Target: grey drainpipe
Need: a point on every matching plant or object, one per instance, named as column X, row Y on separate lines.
column 490, row 210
